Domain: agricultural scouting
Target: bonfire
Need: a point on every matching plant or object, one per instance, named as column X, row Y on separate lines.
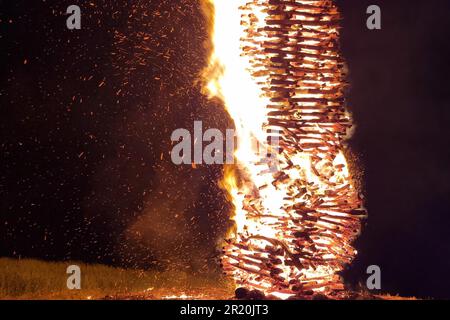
column 276, row 66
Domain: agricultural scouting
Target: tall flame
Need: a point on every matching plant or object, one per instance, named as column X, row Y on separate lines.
column 276, row 66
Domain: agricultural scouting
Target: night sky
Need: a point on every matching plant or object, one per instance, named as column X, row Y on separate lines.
column 86, row 117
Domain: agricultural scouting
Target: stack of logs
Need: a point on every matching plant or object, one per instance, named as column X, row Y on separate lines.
column 294, row 58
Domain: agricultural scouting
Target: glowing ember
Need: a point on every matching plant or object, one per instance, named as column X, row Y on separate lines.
column 276, row 66
column 183, row 297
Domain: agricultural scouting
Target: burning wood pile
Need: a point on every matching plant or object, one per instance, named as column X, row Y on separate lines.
column 281, row 78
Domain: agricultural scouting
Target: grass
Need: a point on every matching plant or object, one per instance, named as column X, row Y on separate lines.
column 34, row 279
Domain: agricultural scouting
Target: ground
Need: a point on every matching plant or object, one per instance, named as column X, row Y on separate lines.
column 34, row 279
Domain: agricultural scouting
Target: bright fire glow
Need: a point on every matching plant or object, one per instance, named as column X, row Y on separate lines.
column 275, row 64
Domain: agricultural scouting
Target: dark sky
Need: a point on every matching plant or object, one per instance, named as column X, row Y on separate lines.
column 400, row 100
column 86, row 118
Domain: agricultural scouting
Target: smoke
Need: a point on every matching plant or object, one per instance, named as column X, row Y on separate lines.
column 170, row 228
column 159, row 215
